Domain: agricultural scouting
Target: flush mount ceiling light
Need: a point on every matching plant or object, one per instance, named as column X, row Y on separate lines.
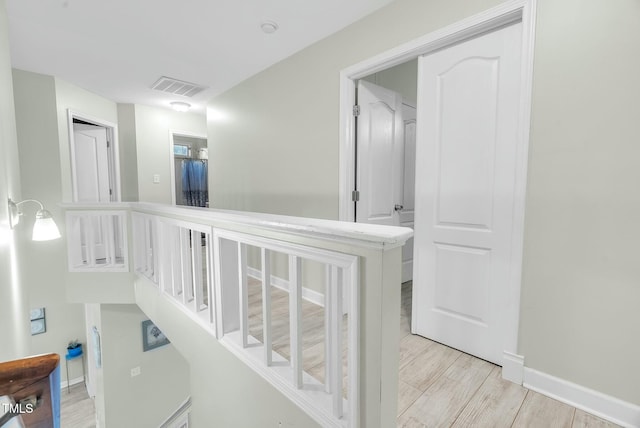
column 269, row 27
column 44, row 229
column 180, row 106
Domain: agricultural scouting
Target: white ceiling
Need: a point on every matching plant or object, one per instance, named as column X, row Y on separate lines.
column 119, row 48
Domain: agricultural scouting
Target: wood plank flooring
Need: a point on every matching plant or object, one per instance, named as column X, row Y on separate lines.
column 454, row 389
column 438, row 386
column 77, row 409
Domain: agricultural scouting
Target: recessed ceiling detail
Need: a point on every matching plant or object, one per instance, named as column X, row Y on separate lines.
column 177, row 87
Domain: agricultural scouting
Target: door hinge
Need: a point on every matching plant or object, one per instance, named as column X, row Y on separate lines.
column 355, row 196
column 110, row 192
column 108, row 144
column 356, row 110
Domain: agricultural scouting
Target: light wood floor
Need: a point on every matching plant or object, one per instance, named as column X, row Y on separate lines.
column 439, row 386
column 77, row 409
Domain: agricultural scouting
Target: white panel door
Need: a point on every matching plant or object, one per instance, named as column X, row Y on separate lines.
column 380, row 155
column 409, row 184
column 91, row 154
column 386, row 162
column 466, row 154
column 91, row 163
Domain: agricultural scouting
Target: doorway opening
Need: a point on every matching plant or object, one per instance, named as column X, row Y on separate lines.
column 385, row 151
column 95, row 166
column 189, row 169
column 460, row 262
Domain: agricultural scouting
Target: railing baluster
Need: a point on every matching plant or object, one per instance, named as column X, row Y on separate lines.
column 328, row 351
column 209, row 278
column 110, row 239
column 186, row 265
column 217, row 285
column 167, row 262
column 244, row 300
column 295, row 318
column 147, row 251
column 196, row 264
column 335, row 337
column 151, row 252
column 176, row 261
column 91, row 242
column 266, row 305
column 138, row 238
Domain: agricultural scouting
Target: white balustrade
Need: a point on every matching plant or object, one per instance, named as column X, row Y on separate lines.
column 97, row 241
column 205, row 268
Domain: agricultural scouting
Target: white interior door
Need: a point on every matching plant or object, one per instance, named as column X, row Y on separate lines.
column 386, row 162
column 406, row 214
column 92, row 181
column 91, row 163
column 380, row 155
column 468, row 104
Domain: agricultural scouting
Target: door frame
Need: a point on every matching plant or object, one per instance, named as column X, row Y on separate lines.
column 172, row 170
column 113, row 152
column 491, row 19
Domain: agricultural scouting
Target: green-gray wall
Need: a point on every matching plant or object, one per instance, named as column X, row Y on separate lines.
column 14, row 302
column 274, row 143
column 275, row 146
column 44, row 158
column 128, row 152
column 581, row 274
column 35, row 103
column 153, row 126
column 150, row 398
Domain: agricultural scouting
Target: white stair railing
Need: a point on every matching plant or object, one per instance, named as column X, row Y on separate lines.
column 209, row 264
column 97, row 241
column 232, row 325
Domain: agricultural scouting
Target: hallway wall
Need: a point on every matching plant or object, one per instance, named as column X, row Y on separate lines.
column 276, row 151
column 163, row 385
column 35, row 101
column 153, row 147
column 14, row 306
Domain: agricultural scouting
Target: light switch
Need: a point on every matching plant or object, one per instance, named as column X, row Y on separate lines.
column 135, row 371
column 156, row 178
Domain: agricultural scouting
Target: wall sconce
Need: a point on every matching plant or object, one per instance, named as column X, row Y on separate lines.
column 44, row 229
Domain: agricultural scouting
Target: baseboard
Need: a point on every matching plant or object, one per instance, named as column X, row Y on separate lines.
column 512, row 367
column 281, row 283
column 72, row 382
column 604, row 406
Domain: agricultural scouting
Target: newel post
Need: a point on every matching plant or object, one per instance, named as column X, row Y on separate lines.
column 380, row 288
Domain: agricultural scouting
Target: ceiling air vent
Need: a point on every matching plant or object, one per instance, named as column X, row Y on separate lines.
column 177, row 87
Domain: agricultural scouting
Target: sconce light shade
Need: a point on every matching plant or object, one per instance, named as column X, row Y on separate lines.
column 45, row 229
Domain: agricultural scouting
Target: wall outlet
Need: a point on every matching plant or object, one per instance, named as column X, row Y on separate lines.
column 135, row 371
column 156, row 178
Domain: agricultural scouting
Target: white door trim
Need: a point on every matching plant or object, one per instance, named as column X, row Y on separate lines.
column 112, row 134
column 503, row 14
column 172, row 168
